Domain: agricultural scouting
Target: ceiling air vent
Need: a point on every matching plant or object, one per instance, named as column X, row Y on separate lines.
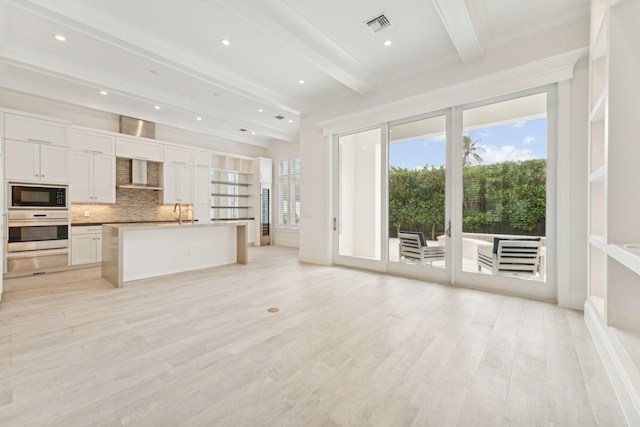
column 279, row 117
column 378, row 23
column 242, row 130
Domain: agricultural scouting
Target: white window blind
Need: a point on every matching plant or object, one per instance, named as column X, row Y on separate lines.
column 289, row 193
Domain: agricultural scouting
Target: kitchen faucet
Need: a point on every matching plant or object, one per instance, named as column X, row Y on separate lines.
column 179, row 218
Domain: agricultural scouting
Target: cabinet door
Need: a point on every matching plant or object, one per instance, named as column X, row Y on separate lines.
column 178, row 155
column 54, row 163
column 137, row 148
column 202, row 159
column 83, row 248
column 170, row 183
column 93, row 142
column 81, row 175
column 104, row 178
column 201, row 186
column 185, row 184
column 265, row 166
column 22, row 161
column 30, row 129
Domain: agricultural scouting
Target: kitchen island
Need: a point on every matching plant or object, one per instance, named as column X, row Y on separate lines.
column 139, row 251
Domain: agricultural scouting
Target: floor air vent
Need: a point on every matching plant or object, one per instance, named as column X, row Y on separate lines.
column 378, row 23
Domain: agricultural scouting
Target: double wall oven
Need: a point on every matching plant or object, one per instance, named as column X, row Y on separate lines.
column 38, row 227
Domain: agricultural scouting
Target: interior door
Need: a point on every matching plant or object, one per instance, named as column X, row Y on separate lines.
column 358, row 225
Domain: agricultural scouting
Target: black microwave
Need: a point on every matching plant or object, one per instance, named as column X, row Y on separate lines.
column 34, row 196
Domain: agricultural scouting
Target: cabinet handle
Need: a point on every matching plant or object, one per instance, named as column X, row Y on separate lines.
column 39, row 140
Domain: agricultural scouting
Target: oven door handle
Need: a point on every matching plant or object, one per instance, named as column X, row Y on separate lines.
column 37, row 223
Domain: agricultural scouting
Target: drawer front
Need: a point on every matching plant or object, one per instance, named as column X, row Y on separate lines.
column 81, row 229
column 23, row 128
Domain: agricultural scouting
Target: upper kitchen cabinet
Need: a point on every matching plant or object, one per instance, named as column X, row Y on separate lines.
column 265, row 169
column 91, row 141
column 93, row 166
column 179, row 156
column 177, row 183
column 28, row 161
column 202, row 159
column 35, row 149
column 138, row 148
column 37, row 130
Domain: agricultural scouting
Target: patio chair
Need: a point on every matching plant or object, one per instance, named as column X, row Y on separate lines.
column 413, row 248
column 510, row 255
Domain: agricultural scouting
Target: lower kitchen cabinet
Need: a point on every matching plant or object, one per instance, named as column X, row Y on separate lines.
column 86, row 244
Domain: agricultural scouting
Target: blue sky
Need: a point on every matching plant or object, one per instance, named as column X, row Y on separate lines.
column 515, row 141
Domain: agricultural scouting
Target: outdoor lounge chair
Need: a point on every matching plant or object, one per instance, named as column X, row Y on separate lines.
column 413, row 248
column 510, row 255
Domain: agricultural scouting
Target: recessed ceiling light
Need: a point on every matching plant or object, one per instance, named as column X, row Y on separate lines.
column 225, row 42
column 387, row 43
column 60, row 38
column 157, row 107
column 260, row 110
column 301, row 82
column 104, row 92
column 290, row 121
column 253, row 133
column 198, row 118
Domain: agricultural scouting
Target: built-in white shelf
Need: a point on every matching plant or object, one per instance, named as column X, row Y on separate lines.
column 627, row 255
column 598, row 304
column 599, row 47
column 231, row 171
column 597, row 240
column 598, row 175
column 597, row 112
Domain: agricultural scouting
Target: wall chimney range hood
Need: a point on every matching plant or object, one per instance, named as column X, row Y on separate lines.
column 137, row 127
column 139, row 177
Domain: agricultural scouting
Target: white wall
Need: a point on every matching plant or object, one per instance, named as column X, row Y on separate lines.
column 530, row 63
column 96, row 119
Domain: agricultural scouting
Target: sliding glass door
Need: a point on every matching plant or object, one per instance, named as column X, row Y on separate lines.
column 358, row 222
column 464, row 195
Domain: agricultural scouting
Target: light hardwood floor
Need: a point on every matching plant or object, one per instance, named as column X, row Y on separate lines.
column 347, row 347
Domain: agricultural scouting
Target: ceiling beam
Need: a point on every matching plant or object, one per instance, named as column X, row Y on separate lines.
column 457, row 21
column 279, row 20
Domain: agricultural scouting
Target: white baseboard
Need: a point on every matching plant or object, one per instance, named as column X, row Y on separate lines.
column 313, row 258
column 617, row 364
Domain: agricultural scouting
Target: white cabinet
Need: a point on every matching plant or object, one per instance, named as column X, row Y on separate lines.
column 138, row 148
column 202, row 159
column 202, row 194
column 265, row 169
column 93, row 178
column 177, row 183
column 92, row 141
column 30, row 129
column 86, row 244
column 93, row 166
column 29, row 161
column 178, row 155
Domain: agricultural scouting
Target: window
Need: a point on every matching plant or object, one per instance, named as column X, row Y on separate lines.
column 289, row 193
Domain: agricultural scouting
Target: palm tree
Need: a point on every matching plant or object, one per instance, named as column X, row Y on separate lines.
column 470, row 149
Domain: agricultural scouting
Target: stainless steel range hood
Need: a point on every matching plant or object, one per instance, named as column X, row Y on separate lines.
column 139, row 177
column 137, row 127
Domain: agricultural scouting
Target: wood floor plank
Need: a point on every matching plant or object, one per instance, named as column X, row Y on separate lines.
column 347, row 347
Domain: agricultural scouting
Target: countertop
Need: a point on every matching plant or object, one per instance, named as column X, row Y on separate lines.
column 172, row 224
column 90, row 224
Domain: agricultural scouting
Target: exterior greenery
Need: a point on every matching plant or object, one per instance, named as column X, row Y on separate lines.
column 499, row 198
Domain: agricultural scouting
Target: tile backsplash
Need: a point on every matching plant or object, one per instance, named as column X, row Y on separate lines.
column 131, row 204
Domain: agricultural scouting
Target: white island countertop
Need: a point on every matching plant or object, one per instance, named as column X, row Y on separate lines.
column 135, row 251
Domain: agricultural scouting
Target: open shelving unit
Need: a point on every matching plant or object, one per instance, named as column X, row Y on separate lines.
column 231, row 189
column 611, row 310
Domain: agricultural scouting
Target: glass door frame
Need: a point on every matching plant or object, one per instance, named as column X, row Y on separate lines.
column 425, row 271
column 353, row 261
column 506, row 284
